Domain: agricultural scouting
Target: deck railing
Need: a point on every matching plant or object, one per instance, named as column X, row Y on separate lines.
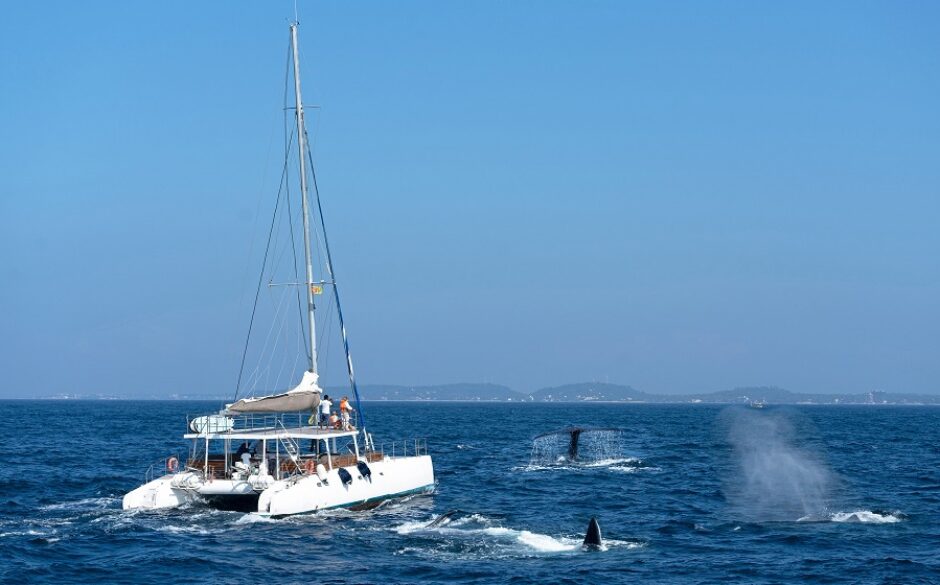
column 404, row 448
column 261, row 421
column 161, row 467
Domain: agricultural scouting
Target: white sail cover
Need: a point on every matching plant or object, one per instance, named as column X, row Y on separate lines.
column 304, row 396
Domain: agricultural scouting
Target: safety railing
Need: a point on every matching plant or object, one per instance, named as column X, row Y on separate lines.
column 404, row 448
column 263, row 421
column 161, row 467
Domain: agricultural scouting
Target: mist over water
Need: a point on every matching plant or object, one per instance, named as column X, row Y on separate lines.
column 778, row 477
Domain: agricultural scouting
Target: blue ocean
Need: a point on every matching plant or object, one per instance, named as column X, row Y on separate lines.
column 687, row 494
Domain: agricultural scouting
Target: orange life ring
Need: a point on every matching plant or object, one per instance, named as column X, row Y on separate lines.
column 172, row 464
column 311, row 466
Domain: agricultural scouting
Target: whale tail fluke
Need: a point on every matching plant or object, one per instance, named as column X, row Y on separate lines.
column 592, row 538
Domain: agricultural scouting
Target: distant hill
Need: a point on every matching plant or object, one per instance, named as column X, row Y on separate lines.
column 590, row 391
column 440, row 392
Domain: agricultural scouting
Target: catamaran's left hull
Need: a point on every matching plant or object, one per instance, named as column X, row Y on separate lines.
column 175, row 490
column 160, row 494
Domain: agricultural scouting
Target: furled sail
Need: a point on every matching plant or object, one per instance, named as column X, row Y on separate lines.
column 304, row 396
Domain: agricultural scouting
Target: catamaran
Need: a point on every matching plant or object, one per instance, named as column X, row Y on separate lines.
column 273, row 454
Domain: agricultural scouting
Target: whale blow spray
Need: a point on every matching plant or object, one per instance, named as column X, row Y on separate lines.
column 776, row 480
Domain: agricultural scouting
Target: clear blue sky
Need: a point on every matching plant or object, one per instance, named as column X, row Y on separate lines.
column 682, row 197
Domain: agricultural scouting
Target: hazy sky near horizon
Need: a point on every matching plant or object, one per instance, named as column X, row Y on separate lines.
column 680, row 197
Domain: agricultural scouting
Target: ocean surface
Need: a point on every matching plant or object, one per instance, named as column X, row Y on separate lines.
column 685, row 494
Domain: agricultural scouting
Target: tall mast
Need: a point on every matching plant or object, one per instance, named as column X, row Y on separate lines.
column 302, row 151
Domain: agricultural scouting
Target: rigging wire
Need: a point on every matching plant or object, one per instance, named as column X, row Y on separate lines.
column 327, row 335
column 264, row 263
column 339, row 310
column 277, row 321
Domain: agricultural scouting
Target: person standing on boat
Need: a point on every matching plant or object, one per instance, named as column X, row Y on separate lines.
column 325, row 406
column 243, row 453
column 344, row 411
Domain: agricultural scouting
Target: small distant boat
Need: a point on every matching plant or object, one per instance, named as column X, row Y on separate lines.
column 755, row 404
column 286, row 463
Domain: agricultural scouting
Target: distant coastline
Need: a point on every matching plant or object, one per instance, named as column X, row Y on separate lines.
column 585, row 392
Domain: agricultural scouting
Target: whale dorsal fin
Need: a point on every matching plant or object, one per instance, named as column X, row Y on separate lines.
column 592, row 538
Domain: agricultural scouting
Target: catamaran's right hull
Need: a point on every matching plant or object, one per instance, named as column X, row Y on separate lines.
column 390, row 478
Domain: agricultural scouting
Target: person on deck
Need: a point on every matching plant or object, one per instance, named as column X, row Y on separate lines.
column 344, row 411
column 334, row 421
column 242, row 449
column 325, row 405
column 243, row 453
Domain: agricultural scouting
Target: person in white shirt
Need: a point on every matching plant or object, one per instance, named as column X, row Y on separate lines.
column 325, row 406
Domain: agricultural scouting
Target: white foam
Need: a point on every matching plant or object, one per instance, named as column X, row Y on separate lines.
column 545, row 543
column 858, row 516
column 410, row 527
column 184, row 530
column 866, row 517
column 534, row 467
column 478, row 518
column 85, row 504
column 254, row 518
column 619, row 465
column 29, row 532
column 611, row 462
column 633, row 469
column 624, row 543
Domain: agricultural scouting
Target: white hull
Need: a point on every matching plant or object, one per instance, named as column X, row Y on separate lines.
column 174, row 490
column 160, row 494
column 390, row 478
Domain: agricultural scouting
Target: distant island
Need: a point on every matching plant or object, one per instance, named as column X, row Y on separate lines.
column 583, row 392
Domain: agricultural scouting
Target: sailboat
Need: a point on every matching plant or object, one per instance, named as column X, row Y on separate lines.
column 288, row 460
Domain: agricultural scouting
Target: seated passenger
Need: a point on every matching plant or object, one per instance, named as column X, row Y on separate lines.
column 334, row 421
column 242, row 449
